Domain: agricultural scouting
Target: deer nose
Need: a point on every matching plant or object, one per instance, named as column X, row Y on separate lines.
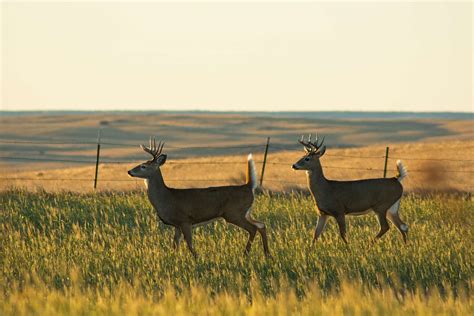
column 294, row 167
column 129, row 173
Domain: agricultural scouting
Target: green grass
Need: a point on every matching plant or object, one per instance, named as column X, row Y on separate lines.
column 106, row 253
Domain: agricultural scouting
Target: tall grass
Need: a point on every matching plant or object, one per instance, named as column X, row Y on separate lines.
column 106, row 253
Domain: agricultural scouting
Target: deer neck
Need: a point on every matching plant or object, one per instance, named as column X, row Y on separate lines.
column 317, row 182
column 156, row 188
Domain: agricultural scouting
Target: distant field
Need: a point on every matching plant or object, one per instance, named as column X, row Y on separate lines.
column 221, row 129
column 446, row 166
column 103, row 253
column 437, row 150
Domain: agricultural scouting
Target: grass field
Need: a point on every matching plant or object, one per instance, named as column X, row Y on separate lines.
column 106, row 253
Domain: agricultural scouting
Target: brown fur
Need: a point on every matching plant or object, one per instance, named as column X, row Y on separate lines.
column 185, row 208
column 340, row 198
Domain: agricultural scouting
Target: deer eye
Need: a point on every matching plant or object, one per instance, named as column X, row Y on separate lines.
column 143, row 167
column 306, row 159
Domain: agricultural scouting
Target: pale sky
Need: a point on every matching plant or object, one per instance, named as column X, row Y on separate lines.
column 324, row 56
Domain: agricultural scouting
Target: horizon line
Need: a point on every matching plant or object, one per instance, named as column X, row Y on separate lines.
column 234, row 111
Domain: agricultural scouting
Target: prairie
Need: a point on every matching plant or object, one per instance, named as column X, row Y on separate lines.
column 105, row 253
column 67, row 249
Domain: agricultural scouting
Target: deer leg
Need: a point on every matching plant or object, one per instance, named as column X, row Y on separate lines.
column 252, row 233
column 320, row 227
column 341, row 222
column 401, row 226
column 176, row 238
column 384, row 227
column 252, row 229
column 249, row 227
column 188, row 236
column 261, row 229
column 263, row 232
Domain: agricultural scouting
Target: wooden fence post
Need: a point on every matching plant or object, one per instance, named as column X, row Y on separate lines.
column 264, row 161
column 385, row 165
column 97, row 159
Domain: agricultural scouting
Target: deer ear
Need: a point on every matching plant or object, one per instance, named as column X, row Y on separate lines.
column 322, row 151
column 162, row 159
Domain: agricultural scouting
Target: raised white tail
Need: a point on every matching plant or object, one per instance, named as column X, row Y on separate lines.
column 392, row 213
column 402, row 171
column 251, row 173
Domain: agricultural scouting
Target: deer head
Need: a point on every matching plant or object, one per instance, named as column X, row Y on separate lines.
column 313, row 151
column 149, row 168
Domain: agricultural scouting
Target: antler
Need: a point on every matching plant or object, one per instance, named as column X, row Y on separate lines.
column 309, row 145
column 153, row 149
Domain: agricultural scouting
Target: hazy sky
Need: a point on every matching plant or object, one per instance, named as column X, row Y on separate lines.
column 237, row 56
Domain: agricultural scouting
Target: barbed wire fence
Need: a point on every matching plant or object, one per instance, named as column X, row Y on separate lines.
column 263, row 147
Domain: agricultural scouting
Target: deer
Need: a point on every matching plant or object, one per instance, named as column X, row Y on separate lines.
column 185, row 209
column 340, row 198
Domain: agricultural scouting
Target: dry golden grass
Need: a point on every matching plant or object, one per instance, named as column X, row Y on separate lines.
column 108, row 254
column 339, row 164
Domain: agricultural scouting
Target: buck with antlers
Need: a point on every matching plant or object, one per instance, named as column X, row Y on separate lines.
column 187, row 208
column 341, row 198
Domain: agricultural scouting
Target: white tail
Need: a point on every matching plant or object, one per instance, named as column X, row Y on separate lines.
column 393, row 210
column 252, row 173
column 402, row 174
column 402, row 171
